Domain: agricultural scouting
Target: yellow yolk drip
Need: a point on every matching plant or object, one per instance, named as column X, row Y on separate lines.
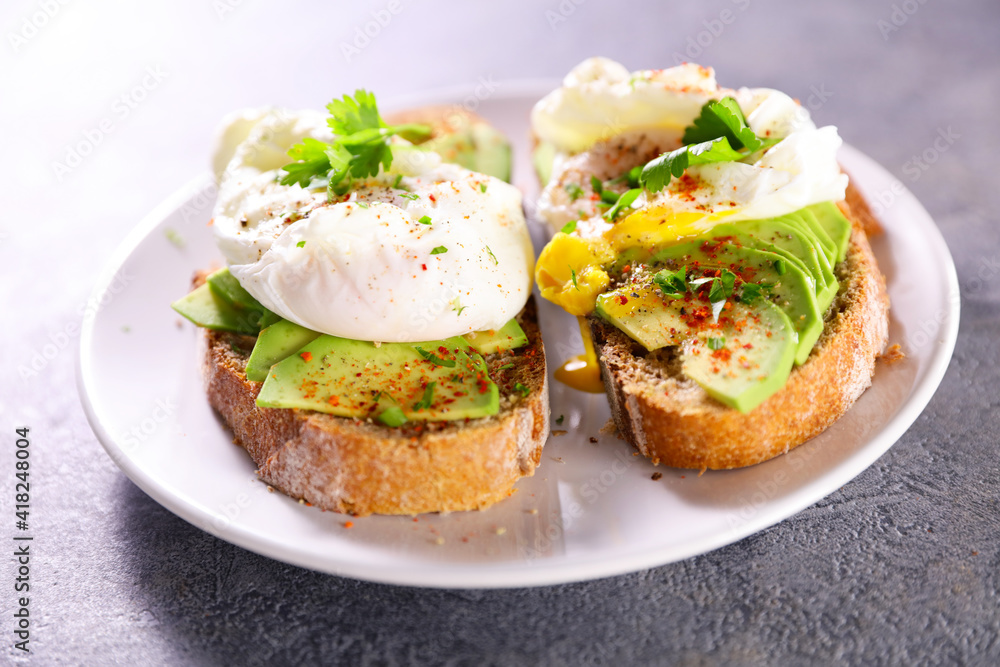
column 582, row 372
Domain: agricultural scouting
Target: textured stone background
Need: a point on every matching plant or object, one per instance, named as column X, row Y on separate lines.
column 899, row 566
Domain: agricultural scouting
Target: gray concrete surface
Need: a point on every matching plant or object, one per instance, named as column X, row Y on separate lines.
column 900, row 566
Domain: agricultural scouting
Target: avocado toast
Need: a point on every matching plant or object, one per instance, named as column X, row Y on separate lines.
column 372, row 343
column 731, row 303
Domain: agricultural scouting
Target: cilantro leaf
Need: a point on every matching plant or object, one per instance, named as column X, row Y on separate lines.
column 392, row 416
column 427, row 399
column 350, row 115
column 622, row 203
column 750, row 292
column 521, row 389
column 361, row 148
column 574, row 191
column 671, row 283
column 657, row 173
column 569, row 227
column 425, row 220
column 435, row 359
column 722, row 118
column 439, row 250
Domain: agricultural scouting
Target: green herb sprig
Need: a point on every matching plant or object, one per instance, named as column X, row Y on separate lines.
column 360, row 149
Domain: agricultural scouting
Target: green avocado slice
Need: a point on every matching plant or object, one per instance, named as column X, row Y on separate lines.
column 276, row 342
column 792, row 290
column 438, row 380
column 746, row 359
column 508, row 337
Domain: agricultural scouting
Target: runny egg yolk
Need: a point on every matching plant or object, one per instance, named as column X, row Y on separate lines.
column 570, row 270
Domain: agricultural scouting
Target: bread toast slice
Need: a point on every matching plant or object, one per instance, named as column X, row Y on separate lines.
column 361, row 467
column 672, row 420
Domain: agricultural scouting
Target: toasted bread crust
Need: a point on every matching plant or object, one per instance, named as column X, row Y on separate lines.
column 362, row 467
column 671, row 420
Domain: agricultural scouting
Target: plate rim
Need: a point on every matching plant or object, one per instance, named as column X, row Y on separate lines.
column 519, row 573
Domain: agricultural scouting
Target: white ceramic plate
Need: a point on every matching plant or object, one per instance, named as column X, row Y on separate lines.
column 592, row 509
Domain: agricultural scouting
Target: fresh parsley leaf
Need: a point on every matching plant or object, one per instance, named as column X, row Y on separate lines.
column 521, row 389
column 425, row 220
column 350, row 115
column 573, row 190
column 569, row 227
column 438, row 250
column 622, row 203
column 300, row 244
column 657, row 173
column 716, row 343
column 671, row 283
column 434, row 359
column 596, row 185
column 360, row 150
column 722, row 118
column 609, row 197
column 392, row 416
column 427, row 399
column 750, row 292
column 722, row 286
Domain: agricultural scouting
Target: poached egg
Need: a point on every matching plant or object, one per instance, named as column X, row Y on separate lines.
column 425, row 251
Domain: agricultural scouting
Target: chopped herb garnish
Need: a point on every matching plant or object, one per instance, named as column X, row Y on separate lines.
column 573, row 190
column 434, row 359
column 457, row 306
column 300, row 244
column 482, row 187
column 392, row 416
column 596, row 185
column 360, row 148
column 438, row 250
column 560, row 418
column 410, row 196
column 622, row 203
column 671, row 283
column 362, row 204
column 716, row 343
column 395, row 183
column 427, row 399
column 719, row 134
column 492, row 256
column 722, row 286
column 572, row 272
column 505, row 367
column 425, row 220
column 780, row 267
column 569, row 227
column 750, row 292
column 521, row 389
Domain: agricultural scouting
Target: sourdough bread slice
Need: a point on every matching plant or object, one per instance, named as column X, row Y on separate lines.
column 672, row 420
column 361, row 467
